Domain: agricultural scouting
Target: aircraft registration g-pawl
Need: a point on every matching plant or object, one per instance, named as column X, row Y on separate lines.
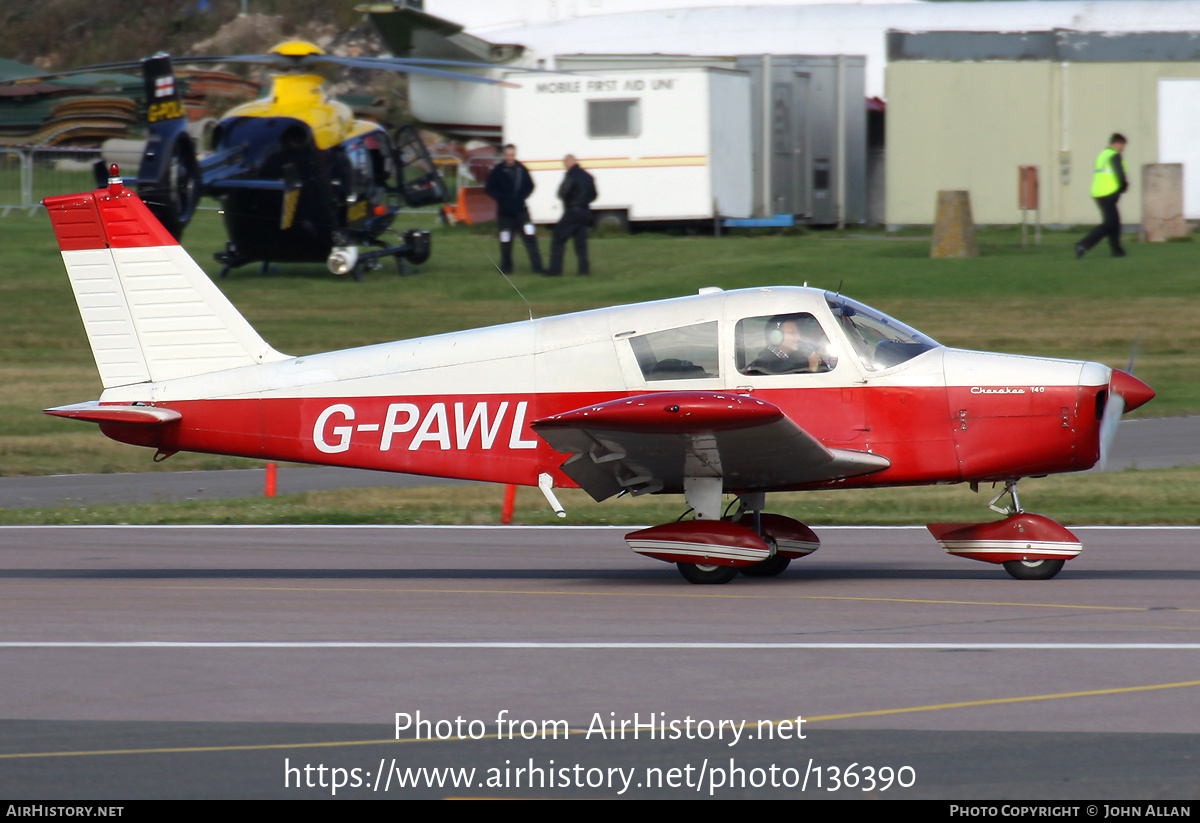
column 720, row 393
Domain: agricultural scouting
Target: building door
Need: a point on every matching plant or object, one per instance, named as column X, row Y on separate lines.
column 789, row 142
column 1178, row 137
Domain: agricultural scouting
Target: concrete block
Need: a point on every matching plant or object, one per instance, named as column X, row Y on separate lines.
column 1162, row 202
column 954, row 228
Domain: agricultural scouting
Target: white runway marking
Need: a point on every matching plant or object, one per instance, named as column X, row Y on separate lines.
column 516, row 644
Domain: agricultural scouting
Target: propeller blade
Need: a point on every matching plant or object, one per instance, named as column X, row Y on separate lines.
column 1125, row 393
column 1108, row 426
column 1133, row 355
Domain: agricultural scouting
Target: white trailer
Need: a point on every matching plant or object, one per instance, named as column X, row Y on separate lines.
column 662, row 144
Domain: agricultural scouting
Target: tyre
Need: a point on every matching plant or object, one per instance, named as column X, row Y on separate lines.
column 175, row 194
column 1033, row 569
column 771, row 567
column 612, row 222
column 706, row 575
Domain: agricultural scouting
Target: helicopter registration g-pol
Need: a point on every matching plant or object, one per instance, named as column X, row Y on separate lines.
column 742, row 392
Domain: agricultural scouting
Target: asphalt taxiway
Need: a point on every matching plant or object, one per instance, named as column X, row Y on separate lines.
column 188, row 662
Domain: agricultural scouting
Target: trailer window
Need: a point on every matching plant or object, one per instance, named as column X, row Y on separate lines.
column 614, row 118
column 686, row 353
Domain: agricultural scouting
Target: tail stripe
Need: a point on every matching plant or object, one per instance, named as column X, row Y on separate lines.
column 76, row 222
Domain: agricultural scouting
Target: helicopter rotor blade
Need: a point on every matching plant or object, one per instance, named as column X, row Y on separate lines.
column 365, row 63
column 431, row 61
column 284, row 62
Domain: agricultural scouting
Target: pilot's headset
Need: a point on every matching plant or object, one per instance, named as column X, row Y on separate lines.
column 775, row 329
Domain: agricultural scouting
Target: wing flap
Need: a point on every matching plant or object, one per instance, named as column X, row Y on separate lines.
column 649, row 443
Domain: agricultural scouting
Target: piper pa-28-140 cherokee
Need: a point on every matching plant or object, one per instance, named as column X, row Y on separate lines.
column 740, row 392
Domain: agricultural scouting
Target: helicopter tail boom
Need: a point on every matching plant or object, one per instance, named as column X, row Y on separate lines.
column 169, row 177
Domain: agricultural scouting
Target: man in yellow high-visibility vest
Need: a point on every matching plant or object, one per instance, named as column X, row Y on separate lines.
column 1108, row 184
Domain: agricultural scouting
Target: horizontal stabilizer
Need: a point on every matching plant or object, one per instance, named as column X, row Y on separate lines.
column 126, row 415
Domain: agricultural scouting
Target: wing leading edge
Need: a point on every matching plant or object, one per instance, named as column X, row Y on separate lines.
column 650, row 442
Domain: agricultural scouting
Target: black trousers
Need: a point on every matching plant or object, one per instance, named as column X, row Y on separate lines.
column 573, row 225
column 1109, row 227
column 510, row 228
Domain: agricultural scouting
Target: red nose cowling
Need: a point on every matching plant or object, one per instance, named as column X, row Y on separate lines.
column 1134, row 391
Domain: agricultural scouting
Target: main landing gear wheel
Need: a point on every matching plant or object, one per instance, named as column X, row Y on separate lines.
column 771, row 567
column 711, row 575
column 1033, row 569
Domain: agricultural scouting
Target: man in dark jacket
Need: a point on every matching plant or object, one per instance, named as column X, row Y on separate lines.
column 577, row 191
column 509, row 184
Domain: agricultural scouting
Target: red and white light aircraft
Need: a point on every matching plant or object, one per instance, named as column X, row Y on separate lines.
column 740, row 392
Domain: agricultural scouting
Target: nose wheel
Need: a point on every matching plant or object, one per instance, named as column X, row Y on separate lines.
column 1033, row 569
column 771, row 567
column 706, row 575
column 1029, row 546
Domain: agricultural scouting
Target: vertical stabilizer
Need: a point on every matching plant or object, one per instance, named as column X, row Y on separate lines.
column 150, row 312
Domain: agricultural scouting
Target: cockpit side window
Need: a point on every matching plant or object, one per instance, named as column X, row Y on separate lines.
column 880, row 342
column 782, row 344
column 685, row 353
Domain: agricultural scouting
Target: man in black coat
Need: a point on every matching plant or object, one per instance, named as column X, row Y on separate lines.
column 577, row 191
column 509, row 184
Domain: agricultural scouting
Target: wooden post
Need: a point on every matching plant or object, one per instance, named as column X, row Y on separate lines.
column 1027, row 201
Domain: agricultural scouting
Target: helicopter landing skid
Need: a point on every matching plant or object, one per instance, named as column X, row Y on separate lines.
column 230, row 259
column 413, row 251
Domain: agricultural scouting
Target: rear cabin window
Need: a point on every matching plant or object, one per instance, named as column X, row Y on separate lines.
column 686, row 353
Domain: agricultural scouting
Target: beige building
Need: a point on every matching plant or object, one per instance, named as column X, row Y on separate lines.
column 965, row 110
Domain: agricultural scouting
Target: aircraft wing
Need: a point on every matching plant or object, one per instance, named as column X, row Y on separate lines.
column 650, row 442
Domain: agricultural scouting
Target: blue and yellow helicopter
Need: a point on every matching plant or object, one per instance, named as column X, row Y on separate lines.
column 299, row 178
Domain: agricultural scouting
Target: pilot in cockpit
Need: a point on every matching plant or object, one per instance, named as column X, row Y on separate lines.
column 795, row 344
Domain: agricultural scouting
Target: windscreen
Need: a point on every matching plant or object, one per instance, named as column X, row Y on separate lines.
column 880, row 342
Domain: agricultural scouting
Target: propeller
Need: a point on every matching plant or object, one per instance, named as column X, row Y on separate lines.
column 1125, row 393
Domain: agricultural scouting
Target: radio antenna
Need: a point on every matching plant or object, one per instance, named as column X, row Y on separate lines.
column 511, row 283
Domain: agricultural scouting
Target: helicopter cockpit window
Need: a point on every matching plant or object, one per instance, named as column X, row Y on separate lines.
column 381, row 159
column 686, row 353
column 783, row 344
column 361, row 167
column 880, row 342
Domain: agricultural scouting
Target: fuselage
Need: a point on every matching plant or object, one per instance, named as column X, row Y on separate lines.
column 461, row 404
